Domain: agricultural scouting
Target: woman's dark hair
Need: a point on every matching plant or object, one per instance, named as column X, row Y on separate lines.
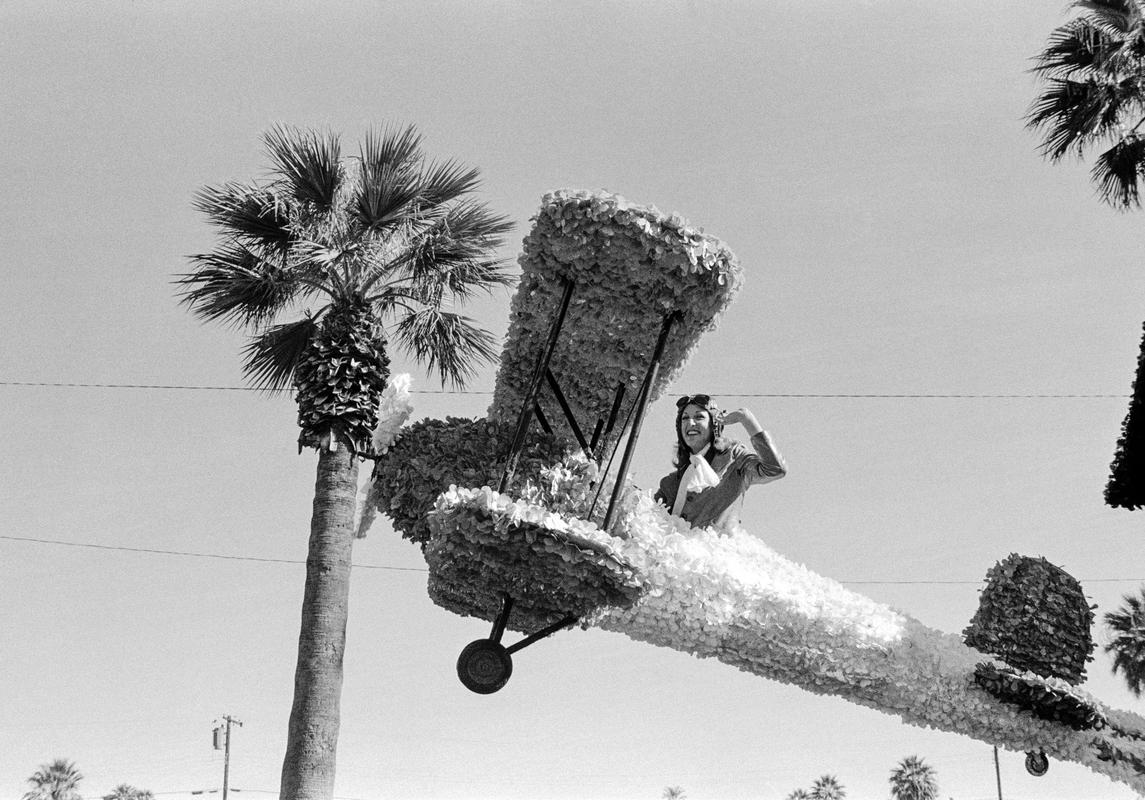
column 719, row 443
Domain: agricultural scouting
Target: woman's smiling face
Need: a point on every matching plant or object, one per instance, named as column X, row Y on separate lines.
column 696, row 427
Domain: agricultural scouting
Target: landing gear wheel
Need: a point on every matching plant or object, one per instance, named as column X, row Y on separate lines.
column 484, row 666
column 1037, row 764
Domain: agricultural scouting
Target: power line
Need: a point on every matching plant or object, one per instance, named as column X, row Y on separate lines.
column 200, row 388
column 804, row 395
column 156, row 551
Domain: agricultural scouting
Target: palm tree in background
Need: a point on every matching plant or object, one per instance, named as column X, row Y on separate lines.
column 674, row 793
column 1127, row 624
column 799, row 794
column 349, row 246
column 58, row 780
column 914, row 779
column 1094, row 72
column 126, row 791
column 827, row 788
column 1094, row 98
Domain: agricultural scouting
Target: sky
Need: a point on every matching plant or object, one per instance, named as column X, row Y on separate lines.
column 899, row 234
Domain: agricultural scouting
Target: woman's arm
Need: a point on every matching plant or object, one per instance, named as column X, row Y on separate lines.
column 765, row 464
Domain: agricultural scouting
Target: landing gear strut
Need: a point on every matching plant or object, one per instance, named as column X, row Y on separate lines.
column 485, row 665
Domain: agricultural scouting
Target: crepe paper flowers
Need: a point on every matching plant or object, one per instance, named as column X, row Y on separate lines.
column 727, row 595
column 1034, row 616
column 714, row 594
column 1048, row 698
column 394, row 408
column 431, row 455
column 485, row 545
column 632, row 266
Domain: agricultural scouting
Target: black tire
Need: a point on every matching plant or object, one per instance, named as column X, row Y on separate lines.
column 484, row 666
column 1037, row 764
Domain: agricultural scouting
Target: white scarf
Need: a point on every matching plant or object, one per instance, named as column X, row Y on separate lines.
column 698, row 476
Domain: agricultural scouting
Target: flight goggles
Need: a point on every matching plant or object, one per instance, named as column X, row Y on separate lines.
column 701, row 400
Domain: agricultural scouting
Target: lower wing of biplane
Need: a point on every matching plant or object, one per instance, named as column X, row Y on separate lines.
column 612, row 300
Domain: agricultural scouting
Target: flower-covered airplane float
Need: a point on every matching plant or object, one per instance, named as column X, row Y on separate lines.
column 530, row 526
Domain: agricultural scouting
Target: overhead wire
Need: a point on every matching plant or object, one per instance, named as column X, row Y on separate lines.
column 797, row 395
column 191, row 387
column 190, row 554
column 261, row 559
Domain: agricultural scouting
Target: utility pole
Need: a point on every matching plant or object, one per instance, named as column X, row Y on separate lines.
column 225, row 734
column 997, row 772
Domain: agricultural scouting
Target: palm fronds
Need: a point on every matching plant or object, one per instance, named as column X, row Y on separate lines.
column 251, row 213
column 1127, row 624
column 913, row 779
column 58, row 780
column 827, row 787
column 1076, row 46
column 390, row 180
column 445, row 182
column 1094, row 69
column 1075, row 113
column 1117, row 172
column 447, row 342
column 308, row 161
column 273, row 355
column 233, row 284
column 1114, row 16
column 452, row 254
column 390, row 241
column 125, row 791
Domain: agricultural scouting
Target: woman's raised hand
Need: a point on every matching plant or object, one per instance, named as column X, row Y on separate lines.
column 744, row 417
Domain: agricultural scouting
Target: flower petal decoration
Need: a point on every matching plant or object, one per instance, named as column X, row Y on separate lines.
column 715, row 594
column 486, row 545
column 394, row 408
column 727, row 595
column 1047, row 697
column 1034, row 616
column 432, row 454
column 632, row 266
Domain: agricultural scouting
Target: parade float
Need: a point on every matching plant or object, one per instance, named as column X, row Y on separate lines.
column 526, row 518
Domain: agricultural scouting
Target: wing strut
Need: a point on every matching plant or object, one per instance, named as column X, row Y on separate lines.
column 641, row 406
column 535, row 386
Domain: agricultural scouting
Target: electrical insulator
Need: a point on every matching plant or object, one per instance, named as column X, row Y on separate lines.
column 217, row 738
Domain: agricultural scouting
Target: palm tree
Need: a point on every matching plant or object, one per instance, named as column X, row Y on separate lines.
column 827, row 788
column 799, row 794
column 674, row 793
column 913, row 779
column 385, row 238
column 1127, row 624
column 55, row 781
column 126, row 791
column 1094, row 69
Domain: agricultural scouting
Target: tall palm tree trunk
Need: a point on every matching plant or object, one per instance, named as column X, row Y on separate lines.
column 312, row 739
